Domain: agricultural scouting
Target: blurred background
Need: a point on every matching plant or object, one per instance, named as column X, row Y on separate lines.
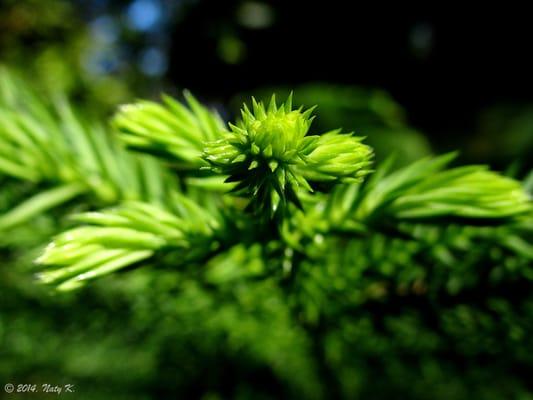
column 415, row 82
column 429, row 80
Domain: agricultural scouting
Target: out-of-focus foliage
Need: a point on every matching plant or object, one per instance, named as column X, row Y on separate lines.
column 505, row 132
column 98, row 51
column 64, row 157
column 44, row 38
column 47, row 30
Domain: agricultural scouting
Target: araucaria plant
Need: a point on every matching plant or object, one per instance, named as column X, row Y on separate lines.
column 311, row 260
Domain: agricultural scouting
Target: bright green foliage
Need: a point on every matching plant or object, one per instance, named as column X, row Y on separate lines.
column 49, row 145
column 338, row 157
column 416, row 278
column 120, row 237
column 170, row 130
column 425, row 190
column 271, row 156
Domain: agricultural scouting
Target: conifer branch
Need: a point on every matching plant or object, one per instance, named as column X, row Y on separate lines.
column 269, row 159
column 170, row 130
column 124, row 236
column 50, row 144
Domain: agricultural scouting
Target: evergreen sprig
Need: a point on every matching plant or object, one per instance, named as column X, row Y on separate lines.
column 126, row 235
column 170, row 130
column 49, row 145
column 426, row 190
column 271, row 156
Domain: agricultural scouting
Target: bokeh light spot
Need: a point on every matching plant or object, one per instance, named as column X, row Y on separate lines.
column 143, row 15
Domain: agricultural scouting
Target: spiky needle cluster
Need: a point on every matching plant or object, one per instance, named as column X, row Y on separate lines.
column 271, row 155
